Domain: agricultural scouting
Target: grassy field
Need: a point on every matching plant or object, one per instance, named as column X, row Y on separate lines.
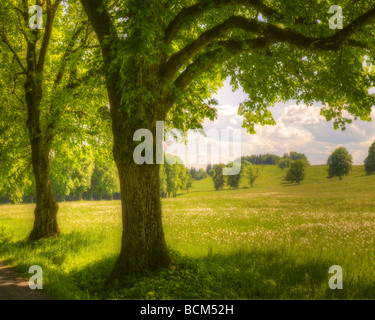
column 275, row 241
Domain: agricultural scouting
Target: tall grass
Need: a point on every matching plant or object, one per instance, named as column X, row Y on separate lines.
column 274, row 241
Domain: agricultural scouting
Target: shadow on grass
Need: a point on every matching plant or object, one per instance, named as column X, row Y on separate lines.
column 44, row 252
column 250, row 274
column 242, row 275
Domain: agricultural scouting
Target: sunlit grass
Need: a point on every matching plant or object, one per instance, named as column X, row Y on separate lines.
column 274, row 241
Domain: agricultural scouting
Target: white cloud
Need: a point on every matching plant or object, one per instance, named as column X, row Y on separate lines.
column 299, row 128
column 302, row 129
column 301, row 114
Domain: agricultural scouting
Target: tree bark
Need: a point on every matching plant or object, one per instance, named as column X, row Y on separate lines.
column 143, row 242
column 45, row 224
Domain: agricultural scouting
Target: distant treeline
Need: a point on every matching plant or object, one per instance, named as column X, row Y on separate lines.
column 84, row 180
column 272, row 159
column 95, row 178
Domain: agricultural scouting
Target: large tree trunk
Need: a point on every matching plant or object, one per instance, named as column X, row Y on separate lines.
column 45, row 224
column 143, row 243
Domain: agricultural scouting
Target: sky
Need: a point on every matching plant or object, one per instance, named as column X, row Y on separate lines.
column 299, row 128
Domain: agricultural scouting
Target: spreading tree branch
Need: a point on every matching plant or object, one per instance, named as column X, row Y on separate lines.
column 68, row 52
column 227, row 50
column 198, row 9
column 260, row 28
column 51, row 13
column 11, row 49
column 101, row 21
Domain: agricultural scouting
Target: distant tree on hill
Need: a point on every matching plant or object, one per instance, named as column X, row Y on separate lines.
column 284, row 163
column 163, row 182
column 234, row 180
column 209, row 168
column 268, row 159
column 296, row 172
column 218, row 177
column 201, row 174
column 198, row 174
column 174, row 177
column 193, row 173
column 188, row 180
column 370, row 160
column 340, row 163
column 253, row 172
column 292, row 155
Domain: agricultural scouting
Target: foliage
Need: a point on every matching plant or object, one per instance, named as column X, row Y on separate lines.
column 296, row 172
column 174, row 177
column 104, row 180
column 266, row 159
column 284, row 163
column 186, row 179
column 233, row 181
column 292, row 155
column 198, row 174
column 163, row 182
column 218, row 177
column 253, row 172
column 209, row 168
column 340, row 163
column 50, row 94
column 165, row 59
column 370, row 160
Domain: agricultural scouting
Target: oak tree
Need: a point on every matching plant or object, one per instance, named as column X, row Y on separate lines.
column 165, row 58
column 370, row 160
column 339, row 163
column 296, row 172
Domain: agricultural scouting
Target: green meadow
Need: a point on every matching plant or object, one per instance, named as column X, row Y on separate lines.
column 273, row 241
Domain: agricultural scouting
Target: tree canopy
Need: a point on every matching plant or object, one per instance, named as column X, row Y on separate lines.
column 50, row 81
column 164, row 59
column 339, row 163
column 296, row 172
column 370, row 160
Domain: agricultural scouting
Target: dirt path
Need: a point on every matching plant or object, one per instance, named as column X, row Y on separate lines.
column 12, row 287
